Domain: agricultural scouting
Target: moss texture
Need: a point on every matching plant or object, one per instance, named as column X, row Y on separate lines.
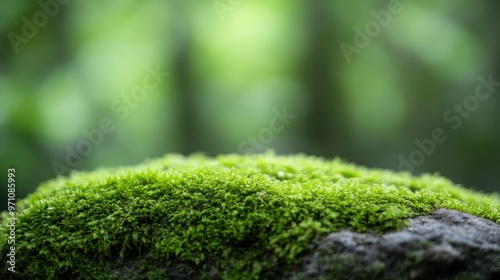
column 231, row 217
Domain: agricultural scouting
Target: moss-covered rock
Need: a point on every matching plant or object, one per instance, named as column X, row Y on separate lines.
column 230, row 217
column 446, row 244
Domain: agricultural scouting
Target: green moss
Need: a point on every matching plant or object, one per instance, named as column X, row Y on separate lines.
column 234, row 217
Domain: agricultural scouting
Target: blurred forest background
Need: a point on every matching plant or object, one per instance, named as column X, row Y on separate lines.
column 234, row 68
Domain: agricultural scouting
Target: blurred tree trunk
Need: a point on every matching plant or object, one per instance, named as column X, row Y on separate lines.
column 325, row 118
column 187, row 125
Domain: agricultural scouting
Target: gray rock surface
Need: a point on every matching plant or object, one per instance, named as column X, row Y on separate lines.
column 444, row 245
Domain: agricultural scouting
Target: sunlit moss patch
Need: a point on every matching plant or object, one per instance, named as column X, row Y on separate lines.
column 231, row 217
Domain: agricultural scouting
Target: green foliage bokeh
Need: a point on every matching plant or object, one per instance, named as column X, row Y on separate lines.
column 228, row 74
